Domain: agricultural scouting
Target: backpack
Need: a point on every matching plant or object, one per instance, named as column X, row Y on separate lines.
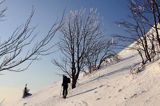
column 68, row 80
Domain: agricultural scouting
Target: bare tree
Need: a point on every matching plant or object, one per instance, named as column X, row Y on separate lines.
column 149, row 12
column 138, row 35
column 101, row 50
column 80, row 31
column 154, row 7
column 140, row 29
column 20, row 48
column 143, row 28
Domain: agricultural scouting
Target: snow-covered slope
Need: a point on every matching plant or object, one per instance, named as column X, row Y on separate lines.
column 111, row 86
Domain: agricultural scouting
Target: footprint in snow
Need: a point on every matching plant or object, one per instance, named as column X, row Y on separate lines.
column 54, row 96
column 85, row 103
column 119, row 90
column 81, row 103
column 98, row 98
column 24, row 104
column 108, row 85
column 95, row 91
column 101, row 86
column 109, row 97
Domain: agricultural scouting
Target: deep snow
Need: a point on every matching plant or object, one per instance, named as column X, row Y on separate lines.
column 112, row 85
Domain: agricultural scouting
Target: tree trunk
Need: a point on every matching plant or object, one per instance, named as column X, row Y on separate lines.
column 99, row 65
column 148, row 57
column 74, row 81
column 155, row 23
column 139, row 52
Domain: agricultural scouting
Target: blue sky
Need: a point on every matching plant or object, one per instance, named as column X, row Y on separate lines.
column 43, row 73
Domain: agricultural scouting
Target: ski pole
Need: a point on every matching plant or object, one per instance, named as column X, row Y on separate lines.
column 61, row 91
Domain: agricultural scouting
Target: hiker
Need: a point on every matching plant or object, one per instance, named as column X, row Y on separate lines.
column 65, row 82
column 26, row 92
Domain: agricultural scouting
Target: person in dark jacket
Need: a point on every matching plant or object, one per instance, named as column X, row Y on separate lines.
column 65, row 82
column 26, row 92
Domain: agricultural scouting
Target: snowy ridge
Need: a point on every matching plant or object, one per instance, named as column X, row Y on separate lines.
column 111, row 86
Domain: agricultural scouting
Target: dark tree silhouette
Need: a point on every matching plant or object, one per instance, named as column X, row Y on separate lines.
column 143, row 28
column 144, row 22
column 20, row 48
column 82, row 43
column 80, row 31
column 101, row 50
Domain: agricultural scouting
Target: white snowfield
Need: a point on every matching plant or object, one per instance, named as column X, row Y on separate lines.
column 113, row 85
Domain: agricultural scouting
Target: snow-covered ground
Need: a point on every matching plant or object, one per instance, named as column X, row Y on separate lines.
column 113, row 85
